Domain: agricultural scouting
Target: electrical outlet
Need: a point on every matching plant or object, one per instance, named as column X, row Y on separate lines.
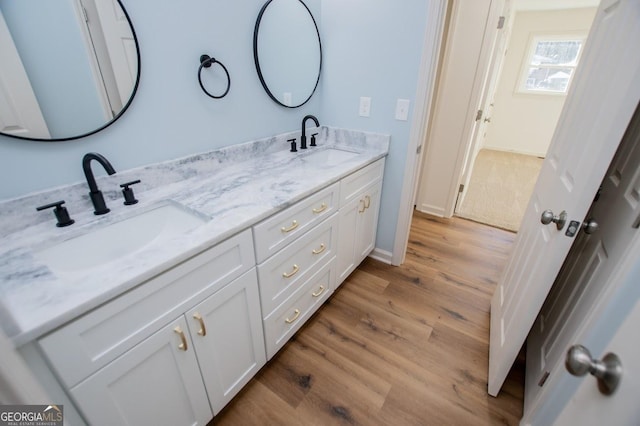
column 402, row 109
column 286, row 98
column 365, row 106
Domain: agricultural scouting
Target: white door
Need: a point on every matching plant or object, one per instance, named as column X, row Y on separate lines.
column 593, row 258
column 20, row 113
column 121, row 49
column 499, row 34
column 226, row 329
column 597, row 111
column 588, row 406
column 155, row 383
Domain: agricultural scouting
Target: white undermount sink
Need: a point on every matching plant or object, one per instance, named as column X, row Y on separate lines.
column 330, row 156
column 118, row 239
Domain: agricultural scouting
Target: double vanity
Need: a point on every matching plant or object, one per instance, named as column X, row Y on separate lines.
column 160, row 312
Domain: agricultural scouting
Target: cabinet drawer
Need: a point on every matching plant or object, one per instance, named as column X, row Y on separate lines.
column 285, row 272
column 282, row 228
column 289, row 317
column 97, row 338
column 353, row 185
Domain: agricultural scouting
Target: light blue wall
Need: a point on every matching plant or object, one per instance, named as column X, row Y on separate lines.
column 170, row 115
column 374, row 49
column 48, row 38
column 371, row 48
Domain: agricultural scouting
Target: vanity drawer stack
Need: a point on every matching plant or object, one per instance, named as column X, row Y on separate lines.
column 296, row 251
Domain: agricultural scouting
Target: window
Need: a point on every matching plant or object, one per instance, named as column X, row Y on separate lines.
column 550, row 64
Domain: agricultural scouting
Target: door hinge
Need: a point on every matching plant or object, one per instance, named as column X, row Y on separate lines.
column 86, row 15
column 461, row 187
column 501, row 22
column 479, row 115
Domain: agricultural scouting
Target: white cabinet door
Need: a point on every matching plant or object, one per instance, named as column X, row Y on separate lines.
column 368, row 223
column 348, row 222
column 157, row 383
column 358, row 223
column 227, row 334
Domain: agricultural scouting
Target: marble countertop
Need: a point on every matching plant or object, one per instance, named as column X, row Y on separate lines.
column 233, row 187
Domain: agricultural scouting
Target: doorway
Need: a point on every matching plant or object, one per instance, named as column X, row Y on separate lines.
column 524, row 92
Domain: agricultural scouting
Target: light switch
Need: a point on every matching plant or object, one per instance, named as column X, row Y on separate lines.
column 402, row 109
column 365, row 107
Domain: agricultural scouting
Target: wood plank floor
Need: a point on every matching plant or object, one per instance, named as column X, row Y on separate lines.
column 401, row 345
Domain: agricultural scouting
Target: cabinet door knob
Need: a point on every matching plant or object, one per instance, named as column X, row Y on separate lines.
column 367, row 202
column 320, row 209
column 319, row 292
column 296, row 314
column 361, row 210
column 182, row 346
column 293, row 226
column 292, row 273
column 203, row 330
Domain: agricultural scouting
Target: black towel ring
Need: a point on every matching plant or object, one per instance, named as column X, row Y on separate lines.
column 206, row 61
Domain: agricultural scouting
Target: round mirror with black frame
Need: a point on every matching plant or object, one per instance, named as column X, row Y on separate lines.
column 71, row 68
column 287, row 52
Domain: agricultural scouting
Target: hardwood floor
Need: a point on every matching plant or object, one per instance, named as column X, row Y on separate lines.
column 401, row 345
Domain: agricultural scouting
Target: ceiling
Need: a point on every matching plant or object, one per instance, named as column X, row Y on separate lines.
column 553, row 4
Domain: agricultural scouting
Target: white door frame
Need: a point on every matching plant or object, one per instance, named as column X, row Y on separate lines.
column 422, row 111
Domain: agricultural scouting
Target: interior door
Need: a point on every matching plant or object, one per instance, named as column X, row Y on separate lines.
column 20, row 113
column 499, row 36
column 594, row 257
column 115, row 48
column 597, row 112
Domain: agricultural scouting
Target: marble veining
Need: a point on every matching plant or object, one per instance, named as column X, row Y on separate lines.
column 233, row 187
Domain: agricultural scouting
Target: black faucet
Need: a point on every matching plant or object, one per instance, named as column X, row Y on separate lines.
column 303, row 138
column 96, row 195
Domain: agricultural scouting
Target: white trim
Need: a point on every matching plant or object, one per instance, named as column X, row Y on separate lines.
column 381, row 255
column 432, row 210
column 516, row 151
column 18, row 385
column 424, row 96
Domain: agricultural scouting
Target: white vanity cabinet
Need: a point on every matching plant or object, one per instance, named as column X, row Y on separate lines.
column 359, row 207
column 179, row 346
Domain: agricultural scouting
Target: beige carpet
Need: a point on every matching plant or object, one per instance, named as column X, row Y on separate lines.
column 500, row 187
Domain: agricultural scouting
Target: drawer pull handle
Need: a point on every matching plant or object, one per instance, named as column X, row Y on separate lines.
column 182, row 346
column 319, row 250
column 296, row 314
column 361, row 210
column 292, row 273
column 203, row 329
column 319, row 292
column 320, row 209
column 367, row 201
column 293, row 226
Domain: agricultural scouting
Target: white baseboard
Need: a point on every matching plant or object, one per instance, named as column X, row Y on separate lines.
column 516, row 151
column 432, row 210
column 381, row 255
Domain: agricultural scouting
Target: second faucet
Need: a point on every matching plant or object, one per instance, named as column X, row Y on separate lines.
column 303, row 138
